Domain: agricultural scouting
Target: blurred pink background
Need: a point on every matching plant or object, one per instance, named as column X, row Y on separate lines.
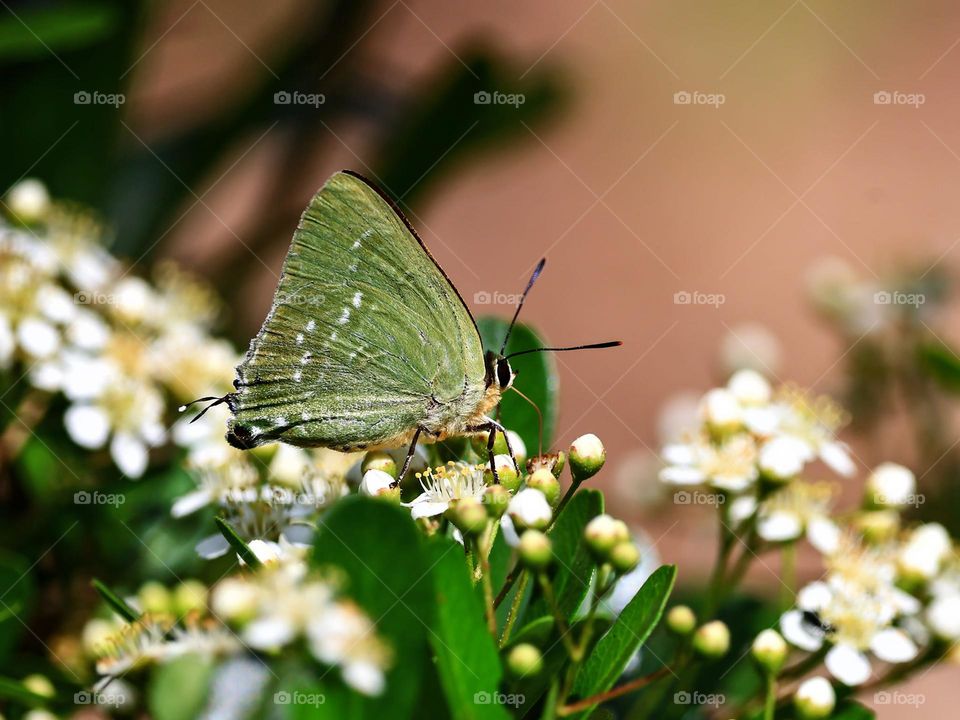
column 633, row 197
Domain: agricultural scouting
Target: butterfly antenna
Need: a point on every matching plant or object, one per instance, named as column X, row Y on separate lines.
column 533, row 278
column 539, row 418
column 592, row 346
column 216, row 401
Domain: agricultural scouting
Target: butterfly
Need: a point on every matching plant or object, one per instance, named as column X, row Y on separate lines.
column 368, row 344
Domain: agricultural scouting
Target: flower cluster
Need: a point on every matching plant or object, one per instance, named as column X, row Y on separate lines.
column 122, row 350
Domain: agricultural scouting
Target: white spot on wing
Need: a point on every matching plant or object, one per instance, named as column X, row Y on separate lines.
column 311, row 325
column 299, row 338
column 344, row 316
column 281, row 421
column 356, row 299
column 305, row 359
column 297, row 375
column 333, row 335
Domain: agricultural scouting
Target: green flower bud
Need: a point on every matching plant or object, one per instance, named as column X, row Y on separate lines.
column 544, row 481
column 602, row 534
column 877, row 526
column 681, row 620
column 479, row 444
column 379, row 460
column 815, row 699
column 39, row 685
column 560, row 464
column 469, row 515
column 536, row 550
column 188, row 596
column 506, row 471
column 496, row 498
column 624, row 557
column 529, row 509
column 769, row 650
column 154, row 598
column 524, row 660
column 587, row 456
column 712, row 639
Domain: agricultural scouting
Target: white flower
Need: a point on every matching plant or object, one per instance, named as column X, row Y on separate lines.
column 28, row 200
column 814, row 421
column 729, row 465
column 529, row 509
column 750, row 388
column 721, row 410
column 375, row 482
column 796, row 509
column 924, row 552
column 890, row 485
column 443, row 485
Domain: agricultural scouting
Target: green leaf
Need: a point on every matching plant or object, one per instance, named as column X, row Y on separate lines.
column 237, row 543
column 14, row 690
column 942, row 363
column 377, row 547
column 116, row 603
column 536, row 632
column 39, row 31
column 575, row 566
column 17, row 589
column 631, row 629
column 178, row 689
column 536, row 378
column 465, row 652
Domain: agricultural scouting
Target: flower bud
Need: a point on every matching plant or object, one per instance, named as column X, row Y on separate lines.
column 469, row 515
column 681, row 620
column 889, row 486
column 479, row 444
column 877, row 526
column 379, row 460
column 544, row 481
column 28, row 200
column 750, row 388
column 496, row 498
column 815, row 699
column 587, row 455
column 519, row 447
column 769, row 650
column 95, row 633
column 553, row 462
column 536, row 550
column 235, row 600
column 602, row 534
column 529, row 509
column 39, row 685
column 712, row 639
column 377, row 483
column 721, row 411
column 505, row 471
column 624, row 557
column 524, row 660
column 154, row 598
column 188, row 596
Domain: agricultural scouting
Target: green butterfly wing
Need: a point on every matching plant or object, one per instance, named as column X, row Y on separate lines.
column 367, row 339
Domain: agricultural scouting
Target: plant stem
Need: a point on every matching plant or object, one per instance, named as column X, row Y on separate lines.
column 616, row 692
column 483, row 562
column 770, row 703
column 562, row 626
column 514, row 611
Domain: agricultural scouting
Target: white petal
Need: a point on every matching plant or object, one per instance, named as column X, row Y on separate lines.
column 47, row 375
column 797, row 632
column 509, row 531
column 376, row 481
column 814, row 596
column 190, row 503
column 943, row 617
column 265, row 550
column 741, row 509
column 824, row 535
column 364, row 677
column 7, row 342
column 732, row 483
column 848, row 665
column 894, row 646
column 906, row 603
column 761, row 420
column 425, row 508
column 129, row 453
column 87, row 425
column 836, row 456
column 779, row 526
column 56, row 304
column 682, row 475
column 678, row 454
column 38, row 337
column 212, row 546
column 88, row 331
column 268, row 632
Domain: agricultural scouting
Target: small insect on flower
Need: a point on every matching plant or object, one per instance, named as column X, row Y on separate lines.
column 368, row 344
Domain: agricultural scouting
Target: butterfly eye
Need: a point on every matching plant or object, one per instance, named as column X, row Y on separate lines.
column 504, row 373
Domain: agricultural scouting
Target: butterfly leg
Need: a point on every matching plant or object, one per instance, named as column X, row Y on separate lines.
column 493, row 427
column 410, row 454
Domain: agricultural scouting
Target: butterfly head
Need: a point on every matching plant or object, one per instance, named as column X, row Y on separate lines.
column 499, row 370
